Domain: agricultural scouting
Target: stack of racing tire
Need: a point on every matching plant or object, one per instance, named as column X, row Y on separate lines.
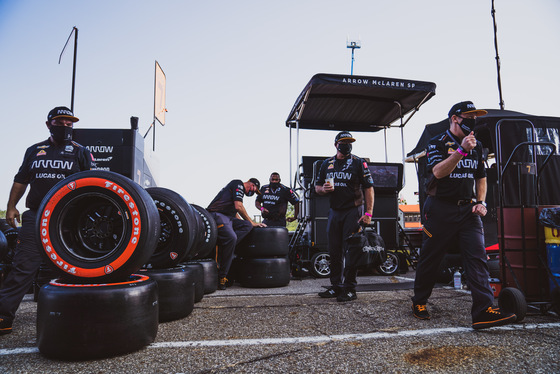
column 262, row 258
column 8, row 239
column 97, row 231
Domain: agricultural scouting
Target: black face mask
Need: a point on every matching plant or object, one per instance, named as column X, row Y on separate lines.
column 467, row 125
column 344, row 148
column 274, row 185
column 61, row 134
column 250, row 193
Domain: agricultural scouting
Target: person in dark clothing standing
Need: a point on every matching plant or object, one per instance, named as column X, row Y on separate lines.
column 44, row 165
column 452, row 211
column 347, row 180
column 273, row 202
column 226, row 207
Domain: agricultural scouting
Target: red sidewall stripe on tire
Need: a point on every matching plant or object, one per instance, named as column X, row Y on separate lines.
column 73, row 186
column 138, row 278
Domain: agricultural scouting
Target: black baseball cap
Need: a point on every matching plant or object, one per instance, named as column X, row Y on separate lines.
column 344, row 135
column 62, row 112
column 466, row 107
column 256, row 182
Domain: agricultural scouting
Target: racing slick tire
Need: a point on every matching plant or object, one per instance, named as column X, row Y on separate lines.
column 264, row 272
column 178, row 228
column 264, row 242
column 391, row 265
column 512, row 300
column 175, row 291
column 198, row 274
column 210, row 268
column 97, row 227
column 206, row 245
column 320, row 265
column 87, row 321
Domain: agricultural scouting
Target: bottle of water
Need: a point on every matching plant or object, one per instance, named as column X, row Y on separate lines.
column 457, row 280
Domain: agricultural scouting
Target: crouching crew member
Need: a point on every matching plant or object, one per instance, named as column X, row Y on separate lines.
column 273, row 202
column 453, row 211
column 233, row 222
column 346, row 179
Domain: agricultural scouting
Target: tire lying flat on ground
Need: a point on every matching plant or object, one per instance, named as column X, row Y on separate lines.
column 198, row 274
column 264, row 242
column 264, row 272
column 86, row 321
column 210, row 271
column 178, row 229
column 206, row 245
column 97, row 227
column 175, row 291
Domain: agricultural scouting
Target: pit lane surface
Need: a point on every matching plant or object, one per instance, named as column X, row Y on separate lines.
column 291, row 329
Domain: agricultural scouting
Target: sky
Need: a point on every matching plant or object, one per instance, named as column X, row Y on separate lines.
column 235, row 68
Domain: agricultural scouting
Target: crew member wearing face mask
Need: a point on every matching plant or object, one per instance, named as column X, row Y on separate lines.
column 273, row 202
column 44, row 165
column 226, row 207
column 456, row 190
column 346, row 179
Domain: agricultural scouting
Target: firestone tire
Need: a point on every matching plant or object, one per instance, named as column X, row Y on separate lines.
column 198, row 274
column 175, row 291
column 178, row 228
column 97, row 227
column 512, row 300
column 320, row 265
column 87, row 321
column 206, row 245
column 210, row 268
column 264, row 272
column 391, row 265
column 264, row 242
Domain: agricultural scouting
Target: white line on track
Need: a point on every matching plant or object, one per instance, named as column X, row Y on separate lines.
column 315, row 339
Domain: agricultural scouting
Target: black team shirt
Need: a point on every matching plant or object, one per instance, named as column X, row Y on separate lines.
column 351, row 175
column 45, row 164
column 224, row 202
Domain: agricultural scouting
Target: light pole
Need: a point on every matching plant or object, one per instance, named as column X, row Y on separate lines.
column 354, row 44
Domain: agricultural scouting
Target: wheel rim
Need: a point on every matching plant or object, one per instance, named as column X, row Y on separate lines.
column 322, row 264
column 391, row 264
column 92, row 226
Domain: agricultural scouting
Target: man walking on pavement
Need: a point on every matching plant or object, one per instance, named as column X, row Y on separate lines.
column 452, row 211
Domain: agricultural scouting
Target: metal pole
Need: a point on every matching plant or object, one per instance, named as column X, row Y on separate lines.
column 352, row 66
column 74, row 67
column 502, row 105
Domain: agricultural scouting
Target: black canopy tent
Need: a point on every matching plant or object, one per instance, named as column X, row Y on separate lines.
column 356, row 103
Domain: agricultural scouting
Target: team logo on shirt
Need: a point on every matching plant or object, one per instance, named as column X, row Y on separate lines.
column 331, row 166
column 43, row 146
column 41, row 152
column 450, row 151
column 449, row 144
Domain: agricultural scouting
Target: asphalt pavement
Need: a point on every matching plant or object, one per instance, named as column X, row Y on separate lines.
column 291, row 330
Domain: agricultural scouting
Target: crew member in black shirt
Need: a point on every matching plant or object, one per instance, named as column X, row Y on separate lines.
column 226, row 207
column 352, row 183
column 273, row 202
column 44, row 165
column 453, row 210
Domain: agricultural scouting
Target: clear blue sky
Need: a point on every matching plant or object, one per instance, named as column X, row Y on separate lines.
column 235, row 68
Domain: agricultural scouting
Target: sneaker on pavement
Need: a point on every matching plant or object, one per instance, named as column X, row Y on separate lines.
column 222, row 284
column 492, row 317
column 347, row 296
column 329, row 293
column 420, row 311
column 5, row 326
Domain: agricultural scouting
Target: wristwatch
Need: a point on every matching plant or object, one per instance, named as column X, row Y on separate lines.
column 481, row 202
